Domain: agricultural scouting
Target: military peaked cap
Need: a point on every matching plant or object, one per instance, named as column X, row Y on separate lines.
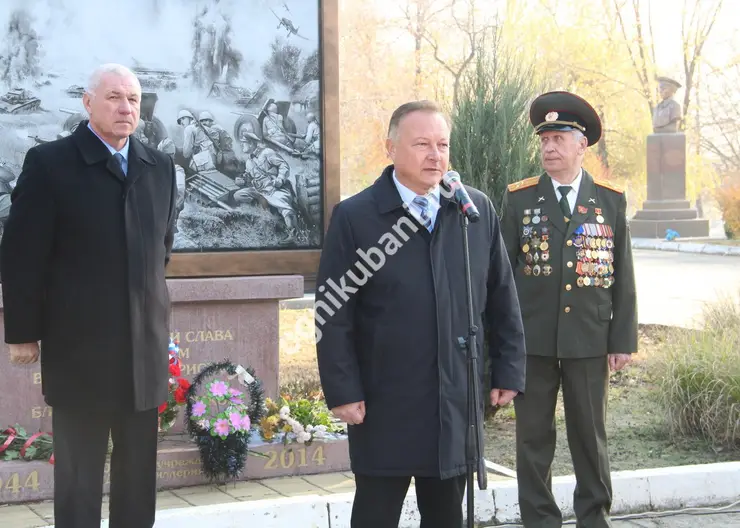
column 668, row 80
column 565, row 111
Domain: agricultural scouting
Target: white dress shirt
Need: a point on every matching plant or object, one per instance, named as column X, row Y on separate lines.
column 572, row 195
column 123, row 152
column 407, row 195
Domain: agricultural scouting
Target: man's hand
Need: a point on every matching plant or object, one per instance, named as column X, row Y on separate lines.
column 351, row 414
column 24, row 354
column 501, row 397
column 618, row 361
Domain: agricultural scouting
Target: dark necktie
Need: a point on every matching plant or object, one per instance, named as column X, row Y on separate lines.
column 120, row 160
column 564, row 205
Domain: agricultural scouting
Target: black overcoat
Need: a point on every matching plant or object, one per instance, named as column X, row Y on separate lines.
column 83, row 262
column 390, row 305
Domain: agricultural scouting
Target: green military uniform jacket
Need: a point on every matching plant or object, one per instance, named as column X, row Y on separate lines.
column 575, row 279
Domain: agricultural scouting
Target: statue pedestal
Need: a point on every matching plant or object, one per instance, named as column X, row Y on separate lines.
column 666, row 206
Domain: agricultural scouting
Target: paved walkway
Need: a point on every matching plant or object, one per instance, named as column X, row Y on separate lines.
column 718, row 520
column 684, row 521
column 36, row 515
column 673, row 287
column 41, row 514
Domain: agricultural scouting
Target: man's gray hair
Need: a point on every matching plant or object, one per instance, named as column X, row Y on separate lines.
column 577, row 134
column 414, row 106
column 97, row 75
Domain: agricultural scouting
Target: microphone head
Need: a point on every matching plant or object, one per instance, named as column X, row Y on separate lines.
column 451, row 176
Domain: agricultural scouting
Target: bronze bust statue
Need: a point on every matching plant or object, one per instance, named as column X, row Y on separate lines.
column 667, row 114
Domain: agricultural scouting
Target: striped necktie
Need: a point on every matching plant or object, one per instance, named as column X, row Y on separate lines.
column 423, row 205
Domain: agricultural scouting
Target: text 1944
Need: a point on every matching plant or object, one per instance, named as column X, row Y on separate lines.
column 15, row 483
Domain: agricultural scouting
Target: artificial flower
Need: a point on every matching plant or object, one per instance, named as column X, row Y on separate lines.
column 218, row 388
column 199, row 408
column 236, row 420
column 175, row 369
column 221, row 427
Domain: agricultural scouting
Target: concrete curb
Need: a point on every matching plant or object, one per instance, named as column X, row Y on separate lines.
column 638, row 491
column 686, row 247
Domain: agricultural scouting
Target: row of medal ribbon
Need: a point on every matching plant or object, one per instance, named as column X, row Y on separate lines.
column 595, row 243
column 581, row 281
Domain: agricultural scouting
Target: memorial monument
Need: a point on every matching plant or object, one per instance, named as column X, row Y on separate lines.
column 666, row 206
column 261, row 83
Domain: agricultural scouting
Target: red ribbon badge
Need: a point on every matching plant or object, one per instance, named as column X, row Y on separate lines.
column 30, row 441
column 11, row 436
column 582, row 209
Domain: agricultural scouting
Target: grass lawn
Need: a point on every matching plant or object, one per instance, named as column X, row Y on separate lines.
column 637, row 437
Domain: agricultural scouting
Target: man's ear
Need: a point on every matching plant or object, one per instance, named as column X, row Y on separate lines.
column 390, row 148
column 86, row 101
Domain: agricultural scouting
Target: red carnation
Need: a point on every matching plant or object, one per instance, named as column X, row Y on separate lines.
column 162, row 408
column 184, row 384
column 175, row 369
column 180, row 395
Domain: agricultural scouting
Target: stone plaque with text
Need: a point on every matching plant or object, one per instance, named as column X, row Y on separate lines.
column 179, row 465
column 214, row 319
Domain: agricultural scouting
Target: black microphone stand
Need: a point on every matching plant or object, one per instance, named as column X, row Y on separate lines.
column 469, row 345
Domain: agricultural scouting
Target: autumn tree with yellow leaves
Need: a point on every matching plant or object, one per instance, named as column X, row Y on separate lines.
column 392, row 52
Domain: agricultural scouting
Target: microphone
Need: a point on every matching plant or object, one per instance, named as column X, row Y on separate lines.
column 451, row 182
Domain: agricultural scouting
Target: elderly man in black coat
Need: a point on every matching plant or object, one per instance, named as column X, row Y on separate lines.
column 390, row 305
column 83, row 262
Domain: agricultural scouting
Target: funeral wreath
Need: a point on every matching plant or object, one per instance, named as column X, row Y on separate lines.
column 219, row 417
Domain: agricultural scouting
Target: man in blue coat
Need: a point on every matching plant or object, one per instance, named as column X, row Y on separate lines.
column 390, row 306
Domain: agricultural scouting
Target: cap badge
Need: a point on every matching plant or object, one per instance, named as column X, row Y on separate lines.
column 551, row 116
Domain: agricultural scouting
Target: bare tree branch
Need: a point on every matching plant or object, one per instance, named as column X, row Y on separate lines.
column 652, row 37
column 417, row 22
column 693, row 41
column 604, row 76
column 473, row 36
column 644, row 81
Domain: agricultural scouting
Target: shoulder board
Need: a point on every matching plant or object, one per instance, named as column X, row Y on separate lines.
column 523, row 184
column 609, row 185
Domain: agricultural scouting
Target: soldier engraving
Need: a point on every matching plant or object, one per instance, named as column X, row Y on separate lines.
column 267, row 181
column 168, row 147
column 199, row 144
column 6, row 180
column 312, row 140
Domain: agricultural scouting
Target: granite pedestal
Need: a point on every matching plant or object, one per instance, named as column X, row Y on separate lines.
column 214, row 319
column 666, row 206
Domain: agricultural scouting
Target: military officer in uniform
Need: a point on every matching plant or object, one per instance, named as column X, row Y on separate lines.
column 568, row 242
